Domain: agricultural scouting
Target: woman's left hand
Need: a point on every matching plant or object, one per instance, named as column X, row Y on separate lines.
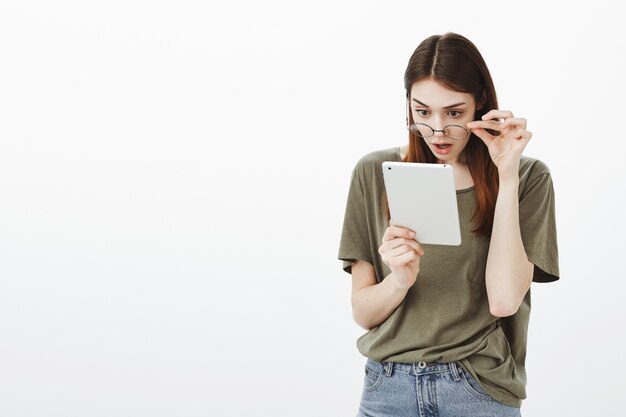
column 506, row 148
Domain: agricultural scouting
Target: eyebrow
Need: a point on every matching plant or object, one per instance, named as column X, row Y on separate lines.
column 447, row 107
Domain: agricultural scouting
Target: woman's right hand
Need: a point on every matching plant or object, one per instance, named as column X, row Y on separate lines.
column 402, row 254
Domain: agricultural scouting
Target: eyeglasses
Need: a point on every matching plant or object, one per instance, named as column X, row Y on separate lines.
column 422, row 130
column 455, row 132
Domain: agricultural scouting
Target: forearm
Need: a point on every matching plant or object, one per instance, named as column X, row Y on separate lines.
column 508, row 271
column 373, row 304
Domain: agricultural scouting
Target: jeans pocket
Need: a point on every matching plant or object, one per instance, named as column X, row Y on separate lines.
column 473, row 386
column 373, row 375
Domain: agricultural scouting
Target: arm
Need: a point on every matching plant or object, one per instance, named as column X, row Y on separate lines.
column 509, row 273
column 373, row 303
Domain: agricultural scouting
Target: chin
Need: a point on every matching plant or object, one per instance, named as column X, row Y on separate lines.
column 448, row 156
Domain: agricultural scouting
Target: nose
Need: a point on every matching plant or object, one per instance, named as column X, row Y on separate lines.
column 437, row 127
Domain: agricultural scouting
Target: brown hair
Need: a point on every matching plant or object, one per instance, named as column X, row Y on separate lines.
column 454, row 61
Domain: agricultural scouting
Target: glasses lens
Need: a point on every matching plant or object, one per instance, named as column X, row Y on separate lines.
column 455, row 132
column 422, row 130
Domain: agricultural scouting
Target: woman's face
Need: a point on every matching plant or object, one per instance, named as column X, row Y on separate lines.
column 437, row 106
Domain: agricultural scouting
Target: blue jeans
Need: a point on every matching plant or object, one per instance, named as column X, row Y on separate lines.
column 436, row 389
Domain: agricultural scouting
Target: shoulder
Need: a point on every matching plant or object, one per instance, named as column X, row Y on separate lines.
column 534, row 175
column 370, row 163
column 531, row 168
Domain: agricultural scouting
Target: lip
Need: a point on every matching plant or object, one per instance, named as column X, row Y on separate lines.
column 445, row 151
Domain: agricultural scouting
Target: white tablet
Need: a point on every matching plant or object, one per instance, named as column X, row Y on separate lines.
column 422, row 197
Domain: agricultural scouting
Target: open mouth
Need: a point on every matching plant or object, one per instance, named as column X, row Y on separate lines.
column 443, row 149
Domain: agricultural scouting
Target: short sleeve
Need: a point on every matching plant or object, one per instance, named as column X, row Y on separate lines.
column 538, row 226
column 354, row 242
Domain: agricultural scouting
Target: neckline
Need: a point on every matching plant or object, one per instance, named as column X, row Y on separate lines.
column 398, row 154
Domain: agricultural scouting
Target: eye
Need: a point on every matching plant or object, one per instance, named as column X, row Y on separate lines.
column 457, row 113
column 419, row 112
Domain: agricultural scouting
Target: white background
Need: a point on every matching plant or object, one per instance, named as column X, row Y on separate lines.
column 173, row 178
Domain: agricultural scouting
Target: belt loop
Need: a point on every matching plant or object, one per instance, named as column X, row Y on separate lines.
column 388, row 368
column 455, row 371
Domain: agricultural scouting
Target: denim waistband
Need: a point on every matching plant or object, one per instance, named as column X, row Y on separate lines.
column 419, row 368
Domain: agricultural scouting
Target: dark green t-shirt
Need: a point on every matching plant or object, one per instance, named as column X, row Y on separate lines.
column 445, row 315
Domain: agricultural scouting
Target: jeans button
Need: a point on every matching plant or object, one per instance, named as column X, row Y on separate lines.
column 422, row 365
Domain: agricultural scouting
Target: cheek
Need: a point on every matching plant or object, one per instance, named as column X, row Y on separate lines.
column 466, row 120
column 462, row 145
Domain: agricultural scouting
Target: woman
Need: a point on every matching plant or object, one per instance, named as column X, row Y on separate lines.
column 447, row 325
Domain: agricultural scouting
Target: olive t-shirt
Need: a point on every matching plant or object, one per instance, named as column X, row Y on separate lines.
column 445, row 315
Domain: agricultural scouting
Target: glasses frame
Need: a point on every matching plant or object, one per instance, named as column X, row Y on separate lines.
column 467, row 131
column 428, row 126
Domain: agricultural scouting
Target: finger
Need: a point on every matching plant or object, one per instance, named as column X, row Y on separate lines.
column 416, row 246
column 407, row 257
column 484, row 135
column 401, row 260
column 486, row 124
column 523, row 134
column 497, row 114
column 397, row 231
column 394, row 231
column 399, row 241
column 399, row 251
column 514, row 122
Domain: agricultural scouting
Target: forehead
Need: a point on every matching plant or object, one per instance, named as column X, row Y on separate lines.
column 436, row 95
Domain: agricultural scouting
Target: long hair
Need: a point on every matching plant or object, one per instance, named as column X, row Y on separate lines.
column 454, row 61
